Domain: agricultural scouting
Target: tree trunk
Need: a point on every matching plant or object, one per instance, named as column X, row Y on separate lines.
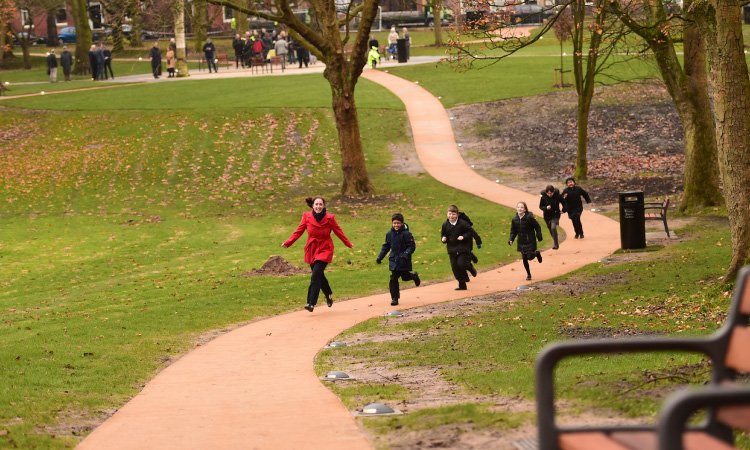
column 179, row 33
column 200, row 24
column 25, row 45
column 51, row 29
column 83, row 37
column 356, row 179
column 730, row 89
column 582, row 128
column 437, row 12
column 242, row 25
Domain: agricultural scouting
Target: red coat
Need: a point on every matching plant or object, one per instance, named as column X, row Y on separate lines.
column 319, row 245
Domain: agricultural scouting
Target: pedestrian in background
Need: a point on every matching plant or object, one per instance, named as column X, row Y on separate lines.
column 319, row 224
column 66, row 61
column 399, row 242
column 155, row 56
column 107, row 53
column 52, row 66
column 209, row 52
column 574, row 196
column 282, row 49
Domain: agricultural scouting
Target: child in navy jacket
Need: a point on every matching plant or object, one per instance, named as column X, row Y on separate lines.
column 400, row 243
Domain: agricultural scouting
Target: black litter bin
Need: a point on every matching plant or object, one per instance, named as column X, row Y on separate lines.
column 632, row 220
column 401, row 50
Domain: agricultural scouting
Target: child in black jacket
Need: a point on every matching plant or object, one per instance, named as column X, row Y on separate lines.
column 400, row 243
column 550, row 204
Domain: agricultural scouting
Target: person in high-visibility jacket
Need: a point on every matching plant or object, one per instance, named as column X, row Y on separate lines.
column 373, row 56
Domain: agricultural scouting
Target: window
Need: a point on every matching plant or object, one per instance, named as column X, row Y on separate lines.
column 228, row 14
column 61, row 16
column 95, row 15
column 26, row 19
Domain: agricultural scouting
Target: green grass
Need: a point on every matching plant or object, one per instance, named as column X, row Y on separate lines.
column 130, row 214
column 675, row 289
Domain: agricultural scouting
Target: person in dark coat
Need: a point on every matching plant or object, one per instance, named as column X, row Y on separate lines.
column 303, row 55
column 475, row 237
column 155, row 55
column 573, row 196
column 550, row 203
column 209, row 52
column 400, row 243
column 457, row 235
column 100, row 71
column 107, row 53
column 239, row 47
column 52, row 66
column 319, row 225
column 93, row 63
column 525, row 227
column 66, row 61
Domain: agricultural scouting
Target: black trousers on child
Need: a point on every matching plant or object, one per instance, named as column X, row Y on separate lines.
column 318, row 282
column 460, row 264
column 393, row 284
column 575, row 217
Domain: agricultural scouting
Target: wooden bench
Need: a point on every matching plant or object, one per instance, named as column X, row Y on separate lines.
column 727, row 404
column 657, row 211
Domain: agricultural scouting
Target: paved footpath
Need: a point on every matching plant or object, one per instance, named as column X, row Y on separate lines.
column 255, row 388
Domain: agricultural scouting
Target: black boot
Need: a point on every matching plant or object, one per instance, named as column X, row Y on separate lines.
column 329, row 300
column 538, row 256
column 415, row 277
column 309, row 307
column 461, row 286
column 394, row 302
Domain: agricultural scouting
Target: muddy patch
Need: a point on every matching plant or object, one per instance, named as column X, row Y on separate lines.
column 276, row 266
column 405, row 160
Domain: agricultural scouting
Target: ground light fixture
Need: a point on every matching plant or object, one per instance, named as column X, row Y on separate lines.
column 335, row 344
column 337, row 376
column 377, row 409
column 394, row 314
column 524, row 287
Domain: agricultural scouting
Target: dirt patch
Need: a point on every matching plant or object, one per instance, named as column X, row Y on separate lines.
column 275, row 266
column 635, row 140
column 405, row 160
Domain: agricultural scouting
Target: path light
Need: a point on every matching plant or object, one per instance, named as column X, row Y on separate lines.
column 140, row 58
column 394, row 314
column 605, row 260
column 417, row 82
column 336, row 376
column 523, row 287
column 387, row 71
column 42, row 92
column 565, row 54
column 336, row 344
column 460, row 144
column 7, row 83
column 378, row 409
column 452, row 117
column 595, row 209
column 497, row 181
column 472, row 166
column 440, row 97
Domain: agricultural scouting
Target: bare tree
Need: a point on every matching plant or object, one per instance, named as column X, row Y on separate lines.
column 83, row 37
column 730, row 91
column 179, row 33
column 344, row 52
column 661, row 26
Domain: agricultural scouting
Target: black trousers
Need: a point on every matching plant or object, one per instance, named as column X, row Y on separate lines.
column 460, row 264
column 575, row 217
column 318, row 282
column 393, row 283
column 552, row 225
column 211, row 63
column 108, row 67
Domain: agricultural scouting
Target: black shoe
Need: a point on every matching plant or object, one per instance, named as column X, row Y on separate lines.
column 415, row 277
column 329, row 300
column 528, row 277
column 461, row 286
column 555, row 247
column 473, row 271
column 394, row 302
column 577, row 235
column 474, row 258
column 538, row 256
column 581, row 237
column 309, row 307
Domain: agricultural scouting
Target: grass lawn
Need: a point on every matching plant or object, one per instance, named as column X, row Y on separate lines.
column 130, row 215
column 674, row 289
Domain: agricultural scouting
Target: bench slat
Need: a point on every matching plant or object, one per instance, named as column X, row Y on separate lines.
column 588, row 441
column 738, row 356
column 745, row 303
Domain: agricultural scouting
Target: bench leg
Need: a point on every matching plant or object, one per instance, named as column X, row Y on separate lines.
column 666, row 228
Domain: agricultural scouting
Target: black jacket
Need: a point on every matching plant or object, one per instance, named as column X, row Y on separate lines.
column 66, row 61
column 155, row 55
column 477, row 238
column 452, row 232
column 209, row 49
column 528, row 232
column 401, row 245
column 573, row 197
column 238, row 46
column 555, row 202
column 51, row 61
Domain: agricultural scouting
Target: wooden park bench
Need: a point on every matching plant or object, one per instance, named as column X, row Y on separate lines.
column 657, row 211
column 725, row 402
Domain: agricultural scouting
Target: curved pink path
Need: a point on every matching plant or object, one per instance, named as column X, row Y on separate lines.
column 254, row 388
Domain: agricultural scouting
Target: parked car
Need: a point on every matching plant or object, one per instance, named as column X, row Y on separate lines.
column 127, row 31
column 412, row 18
column 528, row 13
column 68, row 35
column 32, row 39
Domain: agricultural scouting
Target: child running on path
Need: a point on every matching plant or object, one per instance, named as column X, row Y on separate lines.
column 457, row 234
column 572, row 195
column 527, row 229
column 550, row 203
column 319, row 247
column 400, row 243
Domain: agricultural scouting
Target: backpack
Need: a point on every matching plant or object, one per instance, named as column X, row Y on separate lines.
column 257, row 46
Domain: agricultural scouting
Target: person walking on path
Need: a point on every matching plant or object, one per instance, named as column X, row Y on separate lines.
column 155, row 55
column 52, row 66
column 209, row 52
column 107, row 63
column 282, row 49
column 303, row 54
column 457, row 234
column 400, row 243
column 574, row 205
column 550, row 203
column 171, row 63
column 100, row 70
column 239, row 47
column 319, row 224
column 527, row 229
column 93, row 63
column 66, row 61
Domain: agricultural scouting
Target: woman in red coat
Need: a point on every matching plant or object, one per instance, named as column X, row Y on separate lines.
column 318, row 248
